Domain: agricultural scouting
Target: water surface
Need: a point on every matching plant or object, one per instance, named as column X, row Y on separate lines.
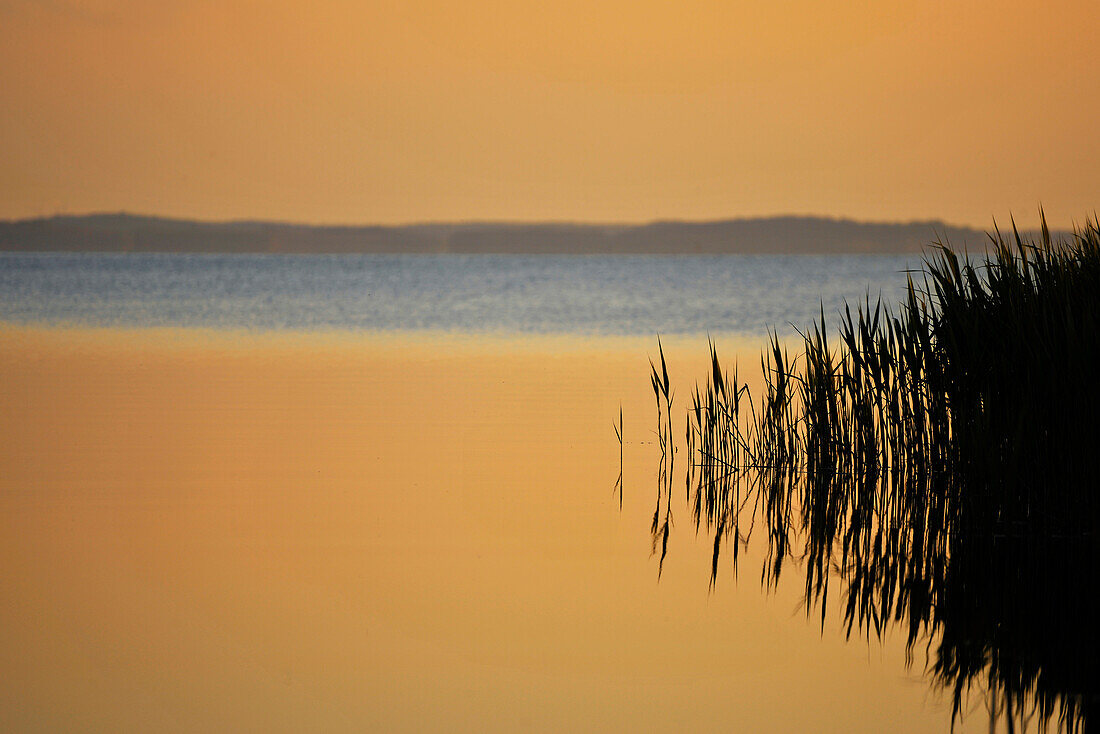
column 231, row 502
column 510, row 294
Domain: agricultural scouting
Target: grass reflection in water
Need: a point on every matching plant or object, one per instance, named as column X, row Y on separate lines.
column 937, row 462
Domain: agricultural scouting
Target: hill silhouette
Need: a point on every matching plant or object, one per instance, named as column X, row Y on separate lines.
column 765, row 235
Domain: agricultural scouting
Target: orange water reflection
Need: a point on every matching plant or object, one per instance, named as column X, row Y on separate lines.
column 206, row 531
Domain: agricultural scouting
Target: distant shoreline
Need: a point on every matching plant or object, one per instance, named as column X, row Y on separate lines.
column 761, row 235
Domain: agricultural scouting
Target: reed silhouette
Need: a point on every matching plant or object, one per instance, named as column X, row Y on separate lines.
column 937, row 462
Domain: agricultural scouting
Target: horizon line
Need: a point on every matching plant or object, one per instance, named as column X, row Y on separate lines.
column 493, row 222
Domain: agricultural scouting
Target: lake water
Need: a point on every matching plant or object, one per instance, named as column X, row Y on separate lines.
column 587, row 295
column 377, row 494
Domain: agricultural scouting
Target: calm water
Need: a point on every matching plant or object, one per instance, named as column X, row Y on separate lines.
column 639, row 295
column 270, row 532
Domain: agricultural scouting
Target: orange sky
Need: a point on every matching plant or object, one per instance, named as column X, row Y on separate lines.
column 360, row 111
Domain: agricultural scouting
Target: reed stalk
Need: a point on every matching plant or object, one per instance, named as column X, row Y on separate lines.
column 937, row 461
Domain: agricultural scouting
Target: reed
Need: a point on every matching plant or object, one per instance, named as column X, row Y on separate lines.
column 662, row 519
column 619, row 437
column 935, row 460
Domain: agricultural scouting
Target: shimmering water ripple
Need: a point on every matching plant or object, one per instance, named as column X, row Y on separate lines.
column 590, row 295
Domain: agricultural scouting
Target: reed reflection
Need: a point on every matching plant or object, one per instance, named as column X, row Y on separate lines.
column 936, row 464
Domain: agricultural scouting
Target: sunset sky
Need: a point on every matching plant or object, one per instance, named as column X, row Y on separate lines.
column 352, row 111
